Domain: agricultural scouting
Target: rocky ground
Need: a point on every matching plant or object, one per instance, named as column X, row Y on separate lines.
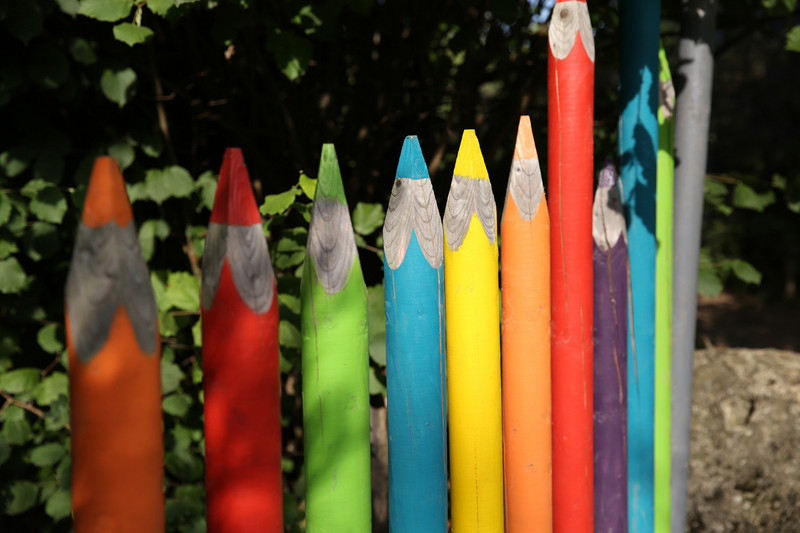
column 745, row 450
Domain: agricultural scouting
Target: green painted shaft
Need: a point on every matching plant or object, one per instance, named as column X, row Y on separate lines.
column 335, row 370
column 663, row 348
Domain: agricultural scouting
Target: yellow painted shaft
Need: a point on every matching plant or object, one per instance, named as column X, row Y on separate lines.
column 473, row 366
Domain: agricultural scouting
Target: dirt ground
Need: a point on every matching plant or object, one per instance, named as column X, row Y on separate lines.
column 745, row 450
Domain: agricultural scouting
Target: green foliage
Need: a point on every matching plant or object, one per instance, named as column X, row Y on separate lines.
column 793, row 39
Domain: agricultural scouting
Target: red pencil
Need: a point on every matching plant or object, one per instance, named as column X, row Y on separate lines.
column 241, row 376
column 570, row 83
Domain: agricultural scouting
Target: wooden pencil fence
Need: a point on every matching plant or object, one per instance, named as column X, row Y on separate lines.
column 541, row 439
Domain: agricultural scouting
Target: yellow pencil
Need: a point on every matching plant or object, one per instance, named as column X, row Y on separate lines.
column 472, row 316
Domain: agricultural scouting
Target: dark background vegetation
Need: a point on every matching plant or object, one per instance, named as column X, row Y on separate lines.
column 165, row 85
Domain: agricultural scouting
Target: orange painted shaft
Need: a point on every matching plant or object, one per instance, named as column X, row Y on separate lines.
column 525, row 279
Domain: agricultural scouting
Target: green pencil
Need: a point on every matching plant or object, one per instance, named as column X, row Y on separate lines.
column 335, row 365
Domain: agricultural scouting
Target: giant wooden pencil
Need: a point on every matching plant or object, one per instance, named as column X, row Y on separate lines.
column 610, row 256
column 692, row 112
column 638, row 144
column 663, row 384
column 415, row 363
column 114, row 368
column 335, row 365
column 473, row 345
column 570, row 85
column 241, row 380
column 525, row 279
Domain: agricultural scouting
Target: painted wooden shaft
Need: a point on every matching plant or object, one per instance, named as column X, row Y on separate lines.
column 473, row 345
column 335, row 365
column 415, row 363
column 638, row 145
column 663, row 354
column 241, row 377
column 692, row 111
column 114, row 368
column 570, row 84
column 525, row 280
column 610, row 257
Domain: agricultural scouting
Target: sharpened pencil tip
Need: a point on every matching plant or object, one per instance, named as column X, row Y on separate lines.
column 234, row 202
column 469, row 161
column 106, row 199
column 608, row 176
column 411, row 164
column 329, row 179
column 525, row 147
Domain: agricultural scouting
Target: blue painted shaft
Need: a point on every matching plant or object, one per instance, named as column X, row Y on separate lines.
column 416, row 381
column 638, row 146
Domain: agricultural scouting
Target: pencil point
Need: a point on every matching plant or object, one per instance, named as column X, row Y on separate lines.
column 469, row 161
column 329, row 180
column 608, row 176
column 411, row 164
column 525, row 147
column 106, row 199
column 234, row 202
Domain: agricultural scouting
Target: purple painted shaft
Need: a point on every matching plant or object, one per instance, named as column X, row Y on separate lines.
column 610, row 384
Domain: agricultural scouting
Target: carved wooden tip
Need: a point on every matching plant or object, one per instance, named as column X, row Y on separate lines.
column 411, row 164
column 106, row 199
column 570, row 19
column 329, row 179
column 469, row 161
column 234, row 203
column 525, row 147
column 608, row 222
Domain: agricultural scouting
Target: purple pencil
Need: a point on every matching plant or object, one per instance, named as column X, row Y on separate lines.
column 610, row 259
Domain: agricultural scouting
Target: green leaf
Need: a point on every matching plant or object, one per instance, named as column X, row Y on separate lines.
column 51, row 388
column 22, row 496
column 59, row 505
column 745, row 271
column 49, row 338
column 169, row 182
column 105, row 10
column 278, row 203
column 207, row 185
column 82, row 52
column 58, row 415
column 160, row 7
column 377, row 324
column 70, row 7
column 793, row 39
column 290, row 301
column 7, row 248
column 123, row 152
column 376, row 386
column 171, row 376
column 47, row 454
column 197, row 333
column 49, row 205
column 289, row 335
column 20, row 380
column 708, row 282
column 291, row 52
column 183, row 291
column 5, row 208
column 150, row 230
column 15, row 161
column 118, row 85
column 17, row 432
column 41, row 241
column 746, row 197
column 132, row 34
column 367, row 218
column 309, row 185
column 160, row 291
column 177, row 404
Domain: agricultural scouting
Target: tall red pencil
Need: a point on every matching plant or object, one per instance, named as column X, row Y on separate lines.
column 570, row 84
column 114, row 368
column 240, row 363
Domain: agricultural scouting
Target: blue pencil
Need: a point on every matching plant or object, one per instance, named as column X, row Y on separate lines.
column 415, row 364
column 638, row 146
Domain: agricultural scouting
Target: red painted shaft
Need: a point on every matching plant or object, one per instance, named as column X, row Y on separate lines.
column 570, row 113
column 240, row 365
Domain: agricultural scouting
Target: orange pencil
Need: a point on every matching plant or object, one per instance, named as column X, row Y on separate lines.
column 114, row 368
column 525, row 279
